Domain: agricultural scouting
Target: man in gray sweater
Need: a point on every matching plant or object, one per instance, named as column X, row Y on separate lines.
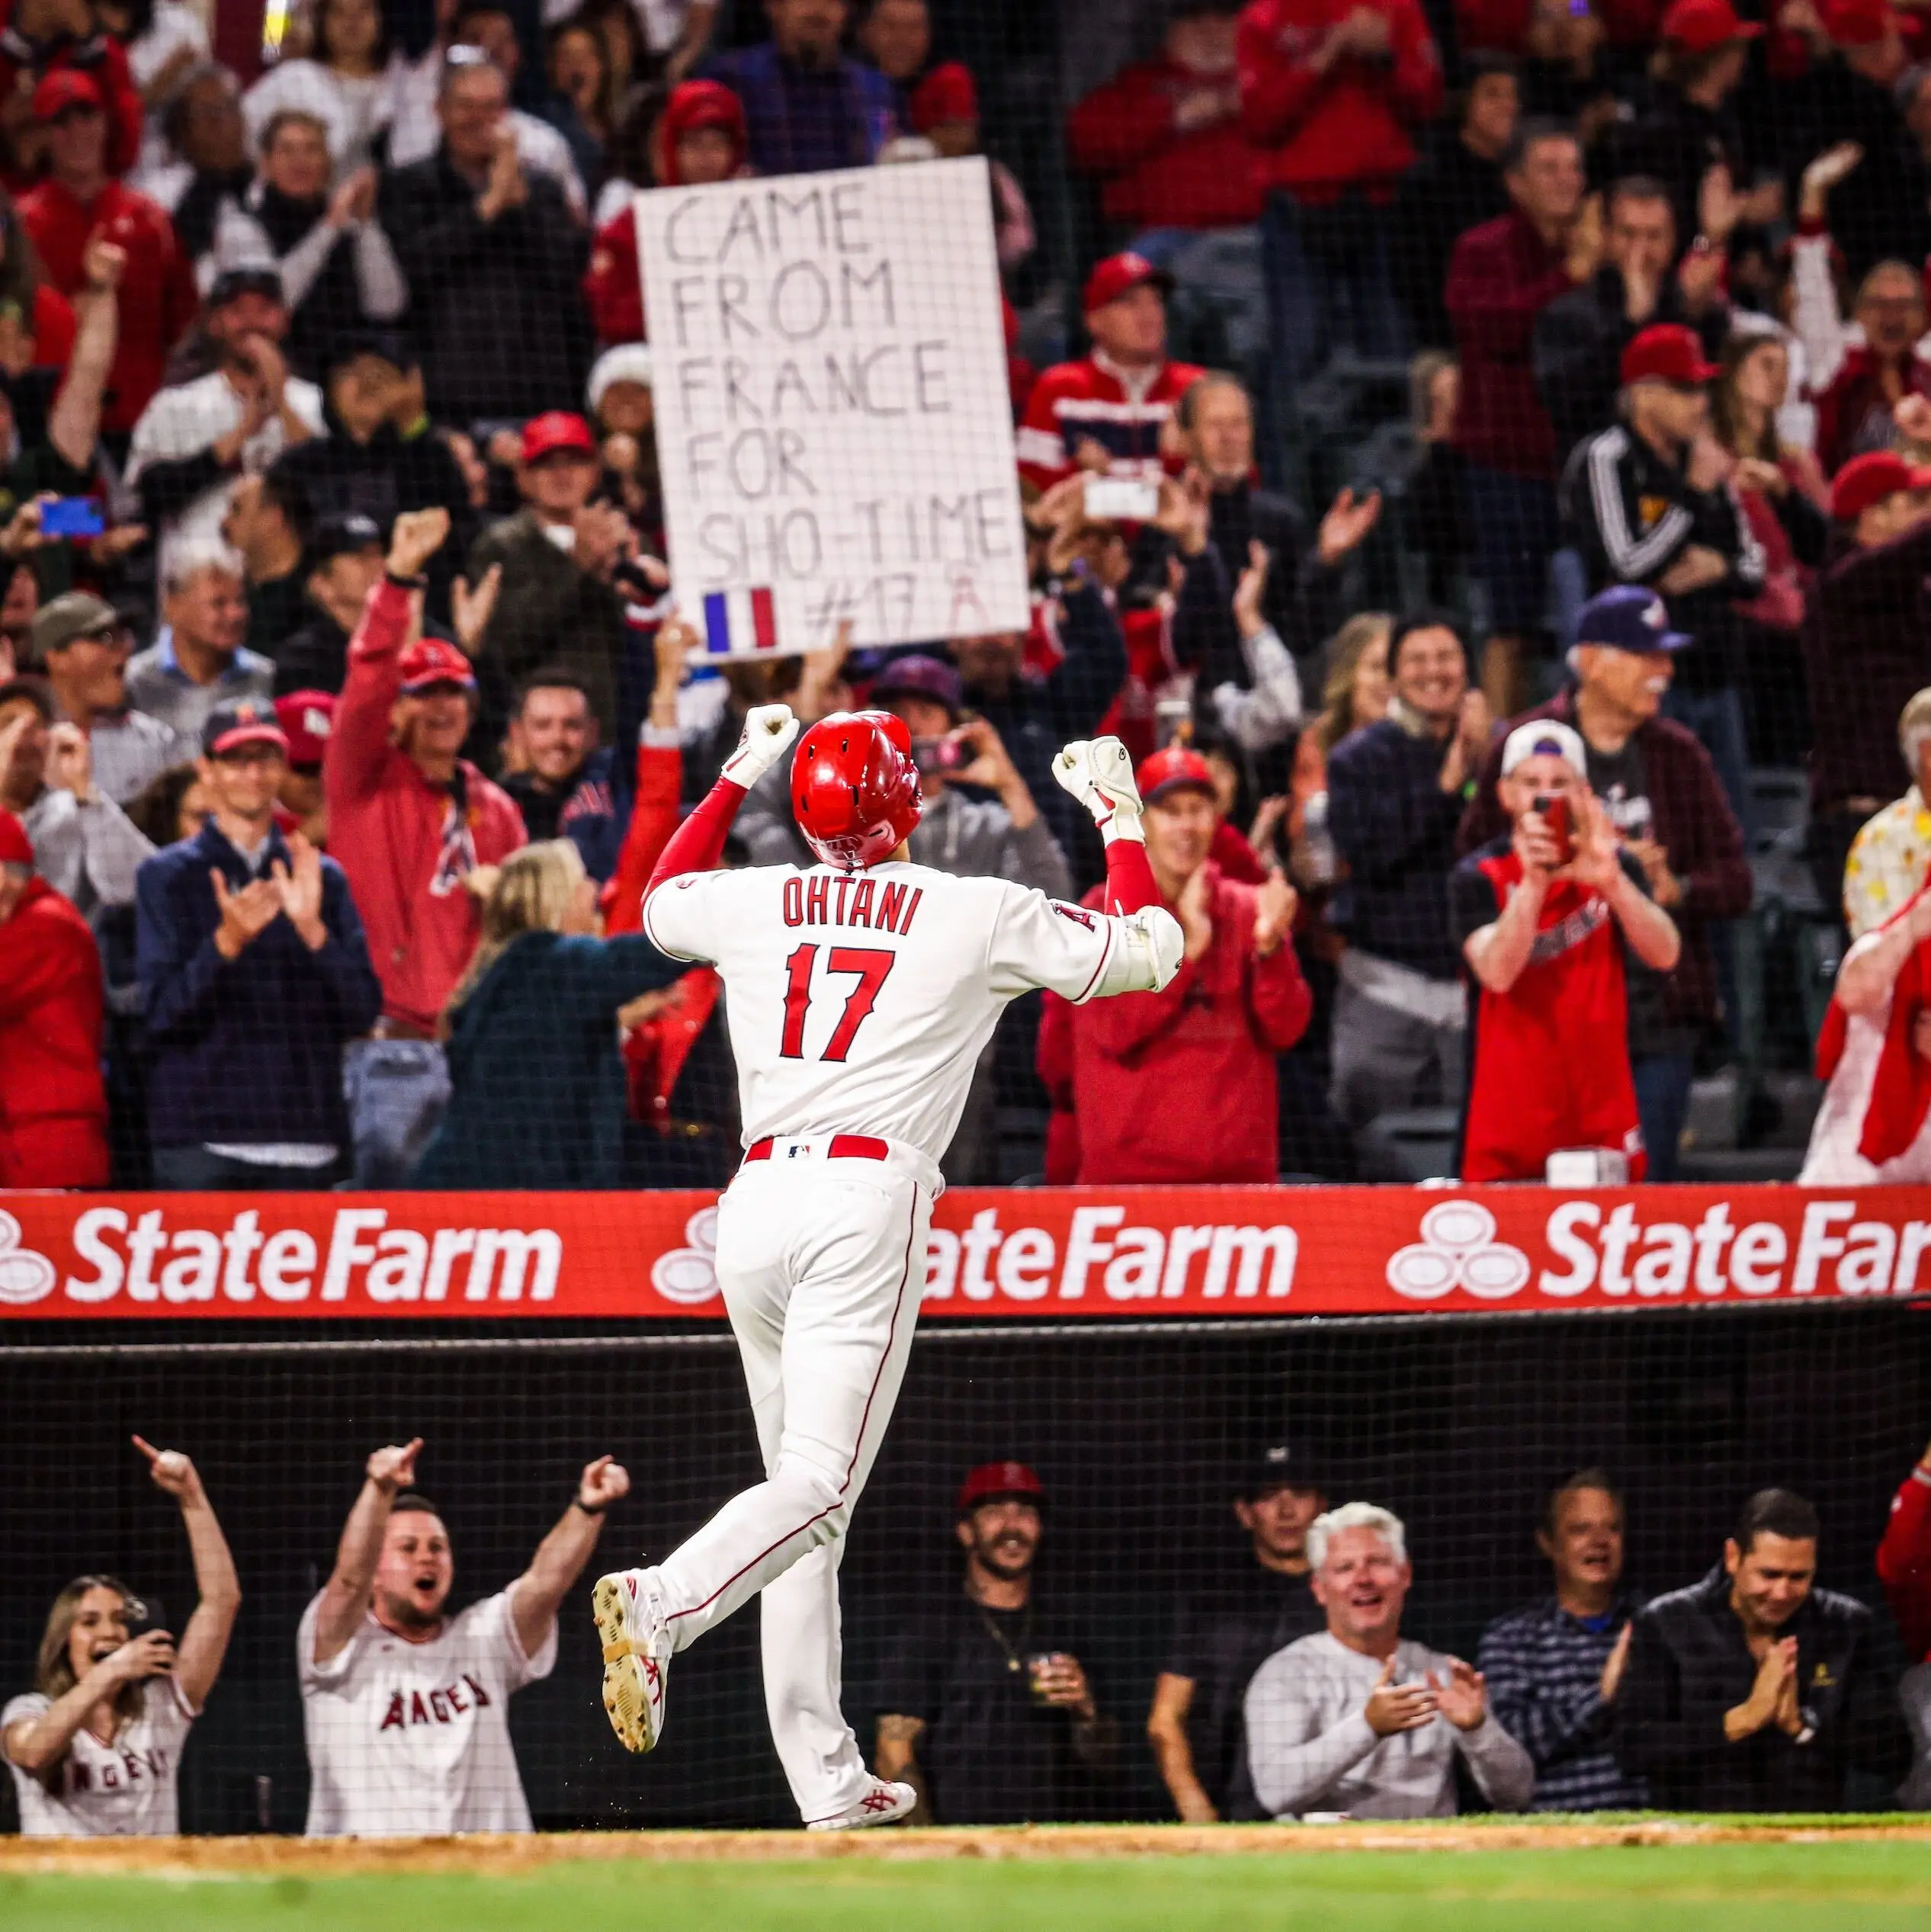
column 1354, row 1720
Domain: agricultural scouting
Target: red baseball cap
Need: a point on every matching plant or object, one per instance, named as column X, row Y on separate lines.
column 433, row 661
column 306, row 718
column 16, row 848
column 1702, row 26
column 992, row 1482
column 65, row 87
column 1668, row 353
column 557, row 429
column 947, row 93
column 1118, row 275
column 1858, row 23
column 1168, row 769
column 1871, row 478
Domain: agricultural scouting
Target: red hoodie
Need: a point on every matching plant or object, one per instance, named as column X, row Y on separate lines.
column 1323, row 133
column 53, row 1107
column 1156, row 175
column 1904, row 1563
column 613, row 285
column 396, row 835
column 101, row 58
column 1180, row 1085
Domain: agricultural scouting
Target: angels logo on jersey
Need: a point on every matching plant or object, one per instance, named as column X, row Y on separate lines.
column 1078, row 914
column 442, row 1706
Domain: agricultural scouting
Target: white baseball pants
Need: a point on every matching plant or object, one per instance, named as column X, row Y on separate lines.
column 822, row 1263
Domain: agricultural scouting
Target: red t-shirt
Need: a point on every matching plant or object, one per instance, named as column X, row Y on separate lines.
column 1549, row 1059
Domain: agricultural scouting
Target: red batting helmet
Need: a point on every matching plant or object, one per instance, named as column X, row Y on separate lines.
column 855, row 789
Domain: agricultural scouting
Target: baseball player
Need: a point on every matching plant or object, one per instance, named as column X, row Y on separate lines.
column 859, row 994
column 405, row 1708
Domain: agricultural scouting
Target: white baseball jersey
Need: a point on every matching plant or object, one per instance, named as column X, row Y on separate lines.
column 408, row 1738
column 125, row 1790
column 858, row 1002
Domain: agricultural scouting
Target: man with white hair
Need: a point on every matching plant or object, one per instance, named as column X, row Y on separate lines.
column 198, row 660
column 1359, row 1720
column 1877, row 1034
column 1544, row 920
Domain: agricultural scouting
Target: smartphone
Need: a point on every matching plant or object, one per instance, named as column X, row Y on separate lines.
column 934, row 757
column 1120, row 499
column 1554, row 812
column 145, row 1613
column 71, row 516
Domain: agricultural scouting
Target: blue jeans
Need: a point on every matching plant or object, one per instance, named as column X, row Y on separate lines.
column 196, row 1170
column 1663, row 1082
column 396, row 1092
column 1328, row 282
column 1517, row 529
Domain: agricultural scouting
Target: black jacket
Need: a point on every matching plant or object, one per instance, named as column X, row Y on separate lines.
column 1302, row 598
column 1689, row 1663
column 1578, row 345
column 1631, row 514
column 499, row 321
column 1453, row 190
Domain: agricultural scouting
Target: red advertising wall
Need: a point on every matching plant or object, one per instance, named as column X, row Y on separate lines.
column 1063, row 1254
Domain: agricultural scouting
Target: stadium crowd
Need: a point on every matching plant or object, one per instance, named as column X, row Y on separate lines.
column 1291, row 1688
column 1555, row 470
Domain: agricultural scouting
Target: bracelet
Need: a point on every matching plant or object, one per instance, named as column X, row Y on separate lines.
column 578, row 1503
column 418, row 582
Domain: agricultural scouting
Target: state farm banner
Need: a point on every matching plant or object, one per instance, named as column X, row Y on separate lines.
column 1060, row 1254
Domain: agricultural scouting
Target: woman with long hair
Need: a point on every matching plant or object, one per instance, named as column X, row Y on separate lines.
column 1357, row 689
column 344, row 82
column 1780, row 489
column 537, row 1092
column 95, row 1747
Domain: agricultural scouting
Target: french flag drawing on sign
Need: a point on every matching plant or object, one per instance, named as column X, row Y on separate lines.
column 739, row 620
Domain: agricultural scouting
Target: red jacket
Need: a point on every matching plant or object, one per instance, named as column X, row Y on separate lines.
column 100, row 56
column 1157, row 176
column 1853, row 414
column 1501, row 277
column 1349, row 127
column 396, row 834
column 158, row 296
column 53, row 1106
column 1074, row 402
column 1904, row 1563
column 1180, row 1085
column 613, row 285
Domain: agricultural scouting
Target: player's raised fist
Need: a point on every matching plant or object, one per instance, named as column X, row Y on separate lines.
column 769, row 731
column 393, row 1468
column 603, row 1482
column 1099, row 773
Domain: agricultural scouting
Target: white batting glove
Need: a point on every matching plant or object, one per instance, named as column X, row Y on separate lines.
column 769, row 731
column 1099, row 773
column 1156, row 944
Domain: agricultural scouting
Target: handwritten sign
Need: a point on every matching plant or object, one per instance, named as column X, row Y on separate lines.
column 834, row 430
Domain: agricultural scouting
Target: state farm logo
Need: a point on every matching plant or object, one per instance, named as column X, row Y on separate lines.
column 688, row 1276
column 1457, row 1249
column 25, row 1276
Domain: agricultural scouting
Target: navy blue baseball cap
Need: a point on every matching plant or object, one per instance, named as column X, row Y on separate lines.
column 1628, row 617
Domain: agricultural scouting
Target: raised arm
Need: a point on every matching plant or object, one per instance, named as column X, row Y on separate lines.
column 698, row 843
column 346, row 1596
column 204, row 1642
column 74, row 422
column 536, row 1595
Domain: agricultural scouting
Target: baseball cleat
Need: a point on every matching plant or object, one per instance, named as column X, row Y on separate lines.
column 883, row 1803
column 636, row 1648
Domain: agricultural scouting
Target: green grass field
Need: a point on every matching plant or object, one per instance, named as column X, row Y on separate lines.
column 1729, row 1887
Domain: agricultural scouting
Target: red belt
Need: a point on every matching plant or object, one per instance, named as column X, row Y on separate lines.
column 844, row 1147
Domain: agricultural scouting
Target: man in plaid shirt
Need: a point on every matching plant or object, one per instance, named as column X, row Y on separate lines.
column 1554, row 1668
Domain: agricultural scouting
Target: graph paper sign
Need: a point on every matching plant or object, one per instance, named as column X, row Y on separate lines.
column 834, row 426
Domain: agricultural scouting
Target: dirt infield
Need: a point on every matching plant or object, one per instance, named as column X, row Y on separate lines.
column 505, row 1854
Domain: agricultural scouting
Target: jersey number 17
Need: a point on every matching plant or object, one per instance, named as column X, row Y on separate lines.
column 872, row 964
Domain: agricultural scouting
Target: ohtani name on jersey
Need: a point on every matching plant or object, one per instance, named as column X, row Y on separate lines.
column 443, row 1706
column 879, row 905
